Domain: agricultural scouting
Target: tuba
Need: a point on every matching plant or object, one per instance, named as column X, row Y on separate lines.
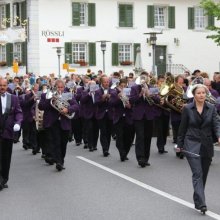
column 173, row 95
column 59, row 104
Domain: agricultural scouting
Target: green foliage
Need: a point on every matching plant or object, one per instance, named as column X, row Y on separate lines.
column 212, row 8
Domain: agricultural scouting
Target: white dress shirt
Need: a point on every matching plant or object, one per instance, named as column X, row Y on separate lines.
column 3, row 100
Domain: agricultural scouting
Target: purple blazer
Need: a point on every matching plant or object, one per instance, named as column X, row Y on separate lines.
column 141, row 108
column 27, row 102
column 103, row 106
column 15, row 116
column 89, row 107
column 119, row 111
column 51, row 115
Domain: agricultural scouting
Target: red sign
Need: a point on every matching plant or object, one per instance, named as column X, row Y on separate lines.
column 53, row 40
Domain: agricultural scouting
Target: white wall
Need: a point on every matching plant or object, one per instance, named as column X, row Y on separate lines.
column 194, row 50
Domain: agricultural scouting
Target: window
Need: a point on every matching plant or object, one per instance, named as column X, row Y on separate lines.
column 124, row 53
column 17, row 51
column 3, row 16
column 160, row 16
column 83, row 14
column 200, row 18
column 79, row 52
column 19, row 13
column 125, row 15
column 2, row 53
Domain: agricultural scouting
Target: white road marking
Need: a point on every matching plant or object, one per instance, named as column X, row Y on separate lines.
column 150, row 188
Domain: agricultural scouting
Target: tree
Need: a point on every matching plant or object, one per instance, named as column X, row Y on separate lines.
column 212, row 8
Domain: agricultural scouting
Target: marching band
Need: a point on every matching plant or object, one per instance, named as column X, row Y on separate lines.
column 86, row 108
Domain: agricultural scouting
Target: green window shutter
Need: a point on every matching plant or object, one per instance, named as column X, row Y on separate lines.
column 191, row 18
column 114, row 54
column 92, row 54
column 150, row 16
column 8, row 14
column 211, row 21
column 76, row 14
column 171, row 17
column 23, row 11
column 24, row 53
column 136, row 45
column 9, row 54
column 91, row 14
column 125, row 15
column 68, row 52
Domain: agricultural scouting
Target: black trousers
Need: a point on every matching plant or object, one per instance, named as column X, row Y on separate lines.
column 5, row 159
column 144, row 132
column 48, row 145
column 41, row 141
column 29, row 134
column 93, row 132
column 59, row 142
column 162, row 125
column 77, row 129
column 105, row 126
column 200, row 168
column 175, row 128
column 124, row 137
column 84, row 131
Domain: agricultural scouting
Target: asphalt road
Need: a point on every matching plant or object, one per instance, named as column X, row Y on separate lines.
column 96, row 188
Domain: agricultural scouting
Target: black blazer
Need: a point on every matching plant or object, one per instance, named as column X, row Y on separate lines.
column 196, row 130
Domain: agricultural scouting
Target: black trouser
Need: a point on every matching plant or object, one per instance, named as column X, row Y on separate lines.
column 144, row 132
column 59, row 142
column 93, row 133
column 124, row 137
column 29, row 134
column 84, row 131
column 200, row 168
column 41, row 141
column 48, row 143
column 175, row 128
column 5, row 159
column 77, row 129
column 162, row 125
column 105, row 126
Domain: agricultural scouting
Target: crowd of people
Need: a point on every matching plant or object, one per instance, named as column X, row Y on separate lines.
column 49, row 112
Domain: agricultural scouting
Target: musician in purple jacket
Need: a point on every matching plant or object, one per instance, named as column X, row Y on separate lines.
column 57, row 124
column 88, row 113
column 10, row 121
column 104, row 114
column 122, row 119
column 143, row 116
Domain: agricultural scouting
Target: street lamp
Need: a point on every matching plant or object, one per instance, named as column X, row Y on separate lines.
column 58, row 50
column 153, row 39
column 103, row 49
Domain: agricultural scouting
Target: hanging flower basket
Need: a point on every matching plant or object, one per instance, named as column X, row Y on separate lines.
column 126, row 63
column 82, row 62
column 3, row 63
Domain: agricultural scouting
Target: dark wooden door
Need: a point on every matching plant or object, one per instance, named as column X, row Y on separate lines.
column 160, row 59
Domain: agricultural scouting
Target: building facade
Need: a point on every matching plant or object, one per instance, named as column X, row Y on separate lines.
column 34, row 28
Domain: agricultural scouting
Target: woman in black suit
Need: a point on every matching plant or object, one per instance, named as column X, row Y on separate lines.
column 199, row 120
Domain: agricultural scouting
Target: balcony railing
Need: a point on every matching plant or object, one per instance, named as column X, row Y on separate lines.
column 177, row 69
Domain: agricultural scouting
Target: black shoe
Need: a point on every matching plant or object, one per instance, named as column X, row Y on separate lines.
column 34, row 152
column 178, row 154
column 203, row 210
column 5, row 186
column 162, row 151
column 49, row 160
column 105, row 154
column 43, row 156
column 91, row 150
column 126, row 158
column 122, row 159
column 25, row 147
column 181, row 156
column 95, row 148
column 85, row 146
column 141, row 164
column 77, row 144
column 59, row 167
column 1, row 187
